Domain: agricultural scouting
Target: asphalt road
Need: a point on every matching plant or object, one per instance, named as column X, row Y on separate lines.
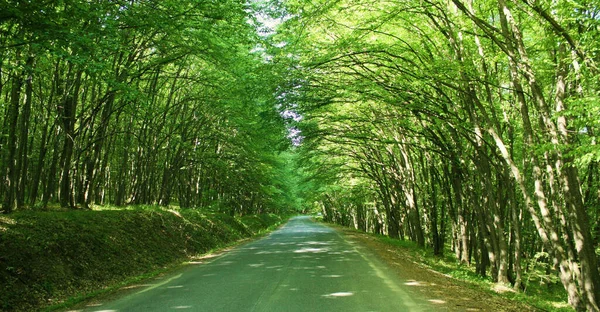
column 304, row 266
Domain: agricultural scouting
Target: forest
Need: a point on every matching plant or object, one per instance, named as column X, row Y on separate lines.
column 467, row 127
column 137, row 102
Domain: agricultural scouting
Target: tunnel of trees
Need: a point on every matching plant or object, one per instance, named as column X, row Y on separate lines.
column 468, row 127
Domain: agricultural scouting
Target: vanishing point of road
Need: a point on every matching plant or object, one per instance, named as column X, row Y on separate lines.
column 303, row 266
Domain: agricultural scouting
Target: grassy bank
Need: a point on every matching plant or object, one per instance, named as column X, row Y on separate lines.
column 47, row 257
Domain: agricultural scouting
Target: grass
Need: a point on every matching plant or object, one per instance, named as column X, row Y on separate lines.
column 540, row 294
column 55, row 258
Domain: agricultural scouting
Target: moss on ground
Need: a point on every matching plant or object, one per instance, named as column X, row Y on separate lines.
column 47, row 257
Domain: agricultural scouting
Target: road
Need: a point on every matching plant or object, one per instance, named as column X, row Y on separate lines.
column 304, row 266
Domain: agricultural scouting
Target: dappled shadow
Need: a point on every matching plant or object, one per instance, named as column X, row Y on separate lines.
column 6, row 222
column 429, row 288
column 308, row 266
column 311, row 250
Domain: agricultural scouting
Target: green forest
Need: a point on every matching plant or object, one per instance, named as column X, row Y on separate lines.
column 466, row 127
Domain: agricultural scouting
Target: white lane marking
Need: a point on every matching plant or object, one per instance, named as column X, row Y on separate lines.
column 159, row 284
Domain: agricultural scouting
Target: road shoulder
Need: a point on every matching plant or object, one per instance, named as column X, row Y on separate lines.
column 442, row 291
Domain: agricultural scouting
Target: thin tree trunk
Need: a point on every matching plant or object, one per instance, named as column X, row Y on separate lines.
column 99, row 139
column 11, row 174
column 68, row 113
column 516, row 217
column 22, row 156
column 411, row 196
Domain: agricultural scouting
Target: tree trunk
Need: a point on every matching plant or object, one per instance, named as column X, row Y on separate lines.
column 123, row 170
column 68, row 112
column 411, row 197
column 11, row 175
column 516, row 217
column 22, row 157
column 98, row 139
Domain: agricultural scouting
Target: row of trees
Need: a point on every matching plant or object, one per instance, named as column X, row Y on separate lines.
column 137, row 102
column 456, row 123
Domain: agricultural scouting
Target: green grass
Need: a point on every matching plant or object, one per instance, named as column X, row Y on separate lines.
column 548, row 296
column 55, row 258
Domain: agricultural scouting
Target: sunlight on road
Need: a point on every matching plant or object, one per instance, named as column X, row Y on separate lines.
column 339, row 294
column 413, row 283
column 437, row 301
column 315, row 271
column 312, row 250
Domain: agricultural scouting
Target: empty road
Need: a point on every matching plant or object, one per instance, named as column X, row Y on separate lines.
column 304, row 266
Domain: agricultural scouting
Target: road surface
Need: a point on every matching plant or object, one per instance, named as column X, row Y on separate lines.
column 304, row 266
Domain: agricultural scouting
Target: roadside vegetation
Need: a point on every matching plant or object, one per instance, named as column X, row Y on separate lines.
column 468, row 127
column 49, row 257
